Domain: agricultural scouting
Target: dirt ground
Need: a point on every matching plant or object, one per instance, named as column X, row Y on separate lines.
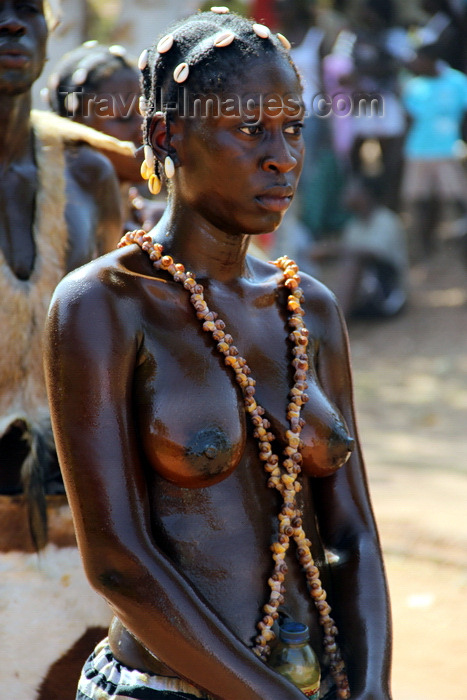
column 410, row 377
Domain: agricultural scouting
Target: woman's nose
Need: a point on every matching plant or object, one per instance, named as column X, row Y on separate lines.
column 280, row 159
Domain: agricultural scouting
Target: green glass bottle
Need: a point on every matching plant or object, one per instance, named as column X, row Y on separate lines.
column 294, row 658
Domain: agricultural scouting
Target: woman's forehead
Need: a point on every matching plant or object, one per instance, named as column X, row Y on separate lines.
column 260, row 73
column 254, row 106
column 259, row 82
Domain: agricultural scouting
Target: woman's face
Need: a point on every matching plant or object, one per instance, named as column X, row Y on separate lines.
column 114, row 108
column 240, row 163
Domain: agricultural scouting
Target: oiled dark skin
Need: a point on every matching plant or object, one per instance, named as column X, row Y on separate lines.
column 92, row 208
column 172, row 512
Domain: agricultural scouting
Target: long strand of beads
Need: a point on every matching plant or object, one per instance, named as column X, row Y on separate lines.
column 284, row 479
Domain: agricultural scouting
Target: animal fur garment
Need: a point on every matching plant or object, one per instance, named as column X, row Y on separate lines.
column 72, row 132
column 23, row 396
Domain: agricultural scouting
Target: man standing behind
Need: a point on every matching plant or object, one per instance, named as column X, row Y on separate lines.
column 59, row 207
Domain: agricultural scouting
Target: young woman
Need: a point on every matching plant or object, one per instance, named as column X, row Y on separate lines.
column 203, row 410
column 98, row 85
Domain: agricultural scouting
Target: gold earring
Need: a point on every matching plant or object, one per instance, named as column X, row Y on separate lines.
column 169, row 167
column 154, row 184
column 146, row 170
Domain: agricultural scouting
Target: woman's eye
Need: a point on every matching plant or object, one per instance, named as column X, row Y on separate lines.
column 294, row 129
column 251, row 129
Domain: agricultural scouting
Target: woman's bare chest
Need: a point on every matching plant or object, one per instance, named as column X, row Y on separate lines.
column 191, row 413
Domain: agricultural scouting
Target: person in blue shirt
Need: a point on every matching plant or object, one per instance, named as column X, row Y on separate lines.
column 435, row 99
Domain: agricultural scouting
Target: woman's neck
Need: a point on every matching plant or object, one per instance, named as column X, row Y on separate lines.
column 15, row 128
column 203, row 248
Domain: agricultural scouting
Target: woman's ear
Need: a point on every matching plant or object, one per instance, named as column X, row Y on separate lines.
column 159, row 138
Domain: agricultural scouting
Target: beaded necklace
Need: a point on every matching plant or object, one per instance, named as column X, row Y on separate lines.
column 283, row 477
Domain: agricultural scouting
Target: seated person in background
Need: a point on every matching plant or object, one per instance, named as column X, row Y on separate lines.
column 369, row 262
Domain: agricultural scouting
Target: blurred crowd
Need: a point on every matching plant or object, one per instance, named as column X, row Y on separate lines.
column 384, row 181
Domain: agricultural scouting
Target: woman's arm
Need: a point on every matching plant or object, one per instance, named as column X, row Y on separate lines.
column 359, row 596
column 91, row 349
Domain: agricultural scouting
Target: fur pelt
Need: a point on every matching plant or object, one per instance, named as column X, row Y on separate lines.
column 15, row 534
column 23, row 396
column 72, row 132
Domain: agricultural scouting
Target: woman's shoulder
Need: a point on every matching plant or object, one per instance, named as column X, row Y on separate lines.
column 316, row 293
column 107, row 279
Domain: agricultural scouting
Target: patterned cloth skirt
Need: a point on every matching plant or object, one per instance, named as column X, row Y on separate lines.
column 104, row 678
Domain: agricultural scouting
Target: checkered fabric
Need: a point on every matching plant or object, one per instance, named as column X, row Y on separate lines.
column 104, row 678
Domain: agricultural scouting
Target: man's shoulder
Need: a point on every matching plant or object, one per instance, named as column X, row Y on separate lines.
column 88, row 163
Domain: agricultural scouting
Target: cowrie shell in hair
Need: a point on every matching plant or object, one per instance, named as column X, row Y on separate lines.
column 181, row 72
column 118, row 50
column 143, row 104
column 72, row 102
column 79, row 77
column 262, row 31
column 143, row 59
column 165, row 44
column 224, row 39
column 220, row 10
column 284, row 41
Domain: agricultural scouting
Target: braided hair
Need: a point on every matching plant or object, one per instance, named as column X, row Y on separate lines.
column 210, row 68
column 81, row 72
